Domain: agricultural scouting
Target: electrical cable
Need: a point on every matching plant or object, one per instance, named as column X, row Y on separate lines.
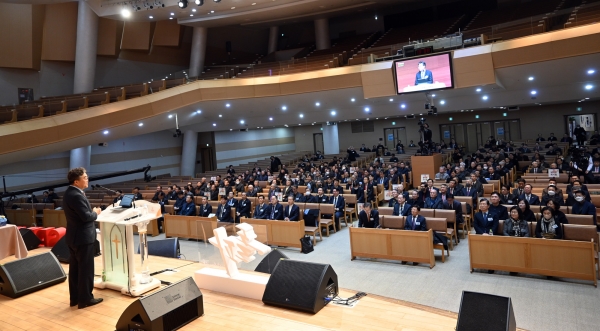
column 349, row 301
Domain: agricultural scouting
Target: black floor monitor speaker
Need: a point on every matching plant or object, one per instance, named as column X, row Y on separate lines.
column 301, row 286
column 479, row 311
column 164, row 310
column 61, row 250
column 268, row 263
column 164, row 247
column 30, row 239
column 33, row 273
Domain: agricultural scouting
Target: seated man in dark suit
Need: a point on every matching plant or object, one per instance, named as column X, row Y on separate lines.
column 423, row 76
column 582, row 206
column 401, row 208
column 52, row 196
column 260, row 211
column 275, row 210
column 137, row 194
column 484, row 222
column 368, row 218
column 452, row 204
column 189, row 207
column 205, row 208
column 497, row 208
column 252, row 191
column 469, row 191
column 244, row 207
column 433, row 201
column 414, row 221
column 339, row 206
column 158, row 190
column 31, row 198
column 224, row 211
column 232, row 201
column 530, row 197
column 291, row 211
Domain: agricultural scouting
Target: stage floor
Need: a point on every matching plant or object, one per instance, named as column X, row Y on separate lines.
column 49, row 309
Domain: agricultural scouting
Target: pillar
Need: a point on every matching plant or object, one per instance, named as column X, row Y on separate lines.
column 85, row 49
column 331, row 141
column 198, row 51
column 322, row 33
column 273, row 38
column 80, row 157
column 188, row 153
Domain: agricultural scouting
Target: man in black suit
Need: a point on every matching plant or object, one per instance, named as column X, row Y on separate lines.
column 244, row 208
column 80, row 237
column 275, row 210
column 452, row 204
column 291, row 211
column 136, row 194
column 414, row 221
column 368, row 218
column 423, row 76
column 339, row 206
column 260, row 212
column 401, row 208
column 530, row 197
column 484, row 222
column 205, row 208
column 224, row 211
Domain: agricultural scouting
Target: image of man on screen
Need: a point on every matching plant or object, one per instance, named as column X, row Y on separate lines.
column 424, row 76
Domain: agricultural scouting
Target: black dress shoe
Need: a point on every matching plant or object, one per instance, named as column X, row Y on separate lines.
column 92, row 302
column 490, row 271
column 72, row 304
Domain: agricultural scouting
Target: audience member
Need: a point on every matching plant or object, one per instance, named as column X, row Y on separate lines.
column 188, row 208
column 526, row 212
column 484, row 222
column 205, row 208
column 368, row 218
column 548, row 227
column 291, row 211
column 275, row 210
column 515, row 226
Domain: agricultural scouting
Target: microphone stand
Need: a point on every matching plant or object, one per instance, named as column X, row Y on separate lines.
column 107, row 189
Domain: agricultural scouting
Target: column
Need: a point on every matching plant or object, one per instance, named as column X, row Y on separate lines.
column 80, row 157
column 188, row 153
column 273, row 38
column 198, row 51
column 322, row 33
column 85, row 49
column 331, row 141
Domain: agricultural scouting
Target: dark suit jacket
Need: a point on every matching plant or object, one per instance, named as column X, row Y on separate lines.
column 293, row 214
column 80, row 218
column 457, row 207
column 188, row 209
column 368, row 221
column 244, row 207
column 533, row 200
column 341, row 204
column 583, row 208
column 472, row 193
column 404, row 211
column 483, row 226
column 436, row 203
column 420, row 224
column 205, row 210
column 224, row 213
column 260, row 212
column 427, row 80
column 233, row 203
column 275, row 212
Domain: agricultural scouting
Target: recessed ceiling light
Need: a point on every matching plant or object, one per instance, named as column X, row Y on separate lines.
column 391, row 100
column 534, row 92
column 367, row 109
column 170, row 18
column 198, row 111
column 242, row 122
column 433, row 95
column 587, row 98
column 530, row 78
column 214, row 124
column 172, row 14
column 301, row 116
column 141, row 124
column 151, row 17
column 478, row 90
column 402, row 106
column 284, row 108
column 125, row 13
column 227, row 105
column 220, row 115
column 105, row 132
column 591, row 71
column 230, row 129
column 191, row 14
column 333, row 113
column 232, row 7
column 589, row 86
column 212, row 11
column 317, row 104
column 254, row 3
column 171, row 116
column 352, row 99
column 194, row 10
column 270, row 118
column 442, row 102
column 485, row 97
column 476, row 116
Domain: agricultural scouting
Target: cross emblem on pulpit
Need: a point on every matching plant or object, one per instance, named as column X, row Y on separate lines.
column 117, row 242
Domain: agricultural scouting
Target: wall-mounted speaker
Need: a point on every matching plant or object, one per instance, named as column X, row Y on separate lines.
column 164, row 310
column 30, row 274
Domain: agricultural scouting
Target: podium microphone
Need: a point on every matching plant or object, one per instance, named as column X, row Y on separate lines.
column 104, row 188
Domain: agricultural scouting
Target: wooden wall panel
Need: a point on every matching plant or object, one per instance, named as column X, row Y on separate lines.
column 476, row 70
column 60, row 32
column 136, row 36
column 17, row 37
column 167, row 33
column 109, row 37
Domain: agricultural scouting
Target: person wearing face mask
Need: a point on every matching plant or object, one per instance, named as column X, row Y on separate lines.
column 515, row 226
column 559, row 216
column 239, row 185
column 548, row 227
column 551, row 194
column 582, row 206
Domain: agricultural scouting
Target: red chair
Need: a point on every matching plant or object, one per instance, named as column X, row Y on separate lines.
column 42, row 233
column 54, row 235
column 35, row 229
